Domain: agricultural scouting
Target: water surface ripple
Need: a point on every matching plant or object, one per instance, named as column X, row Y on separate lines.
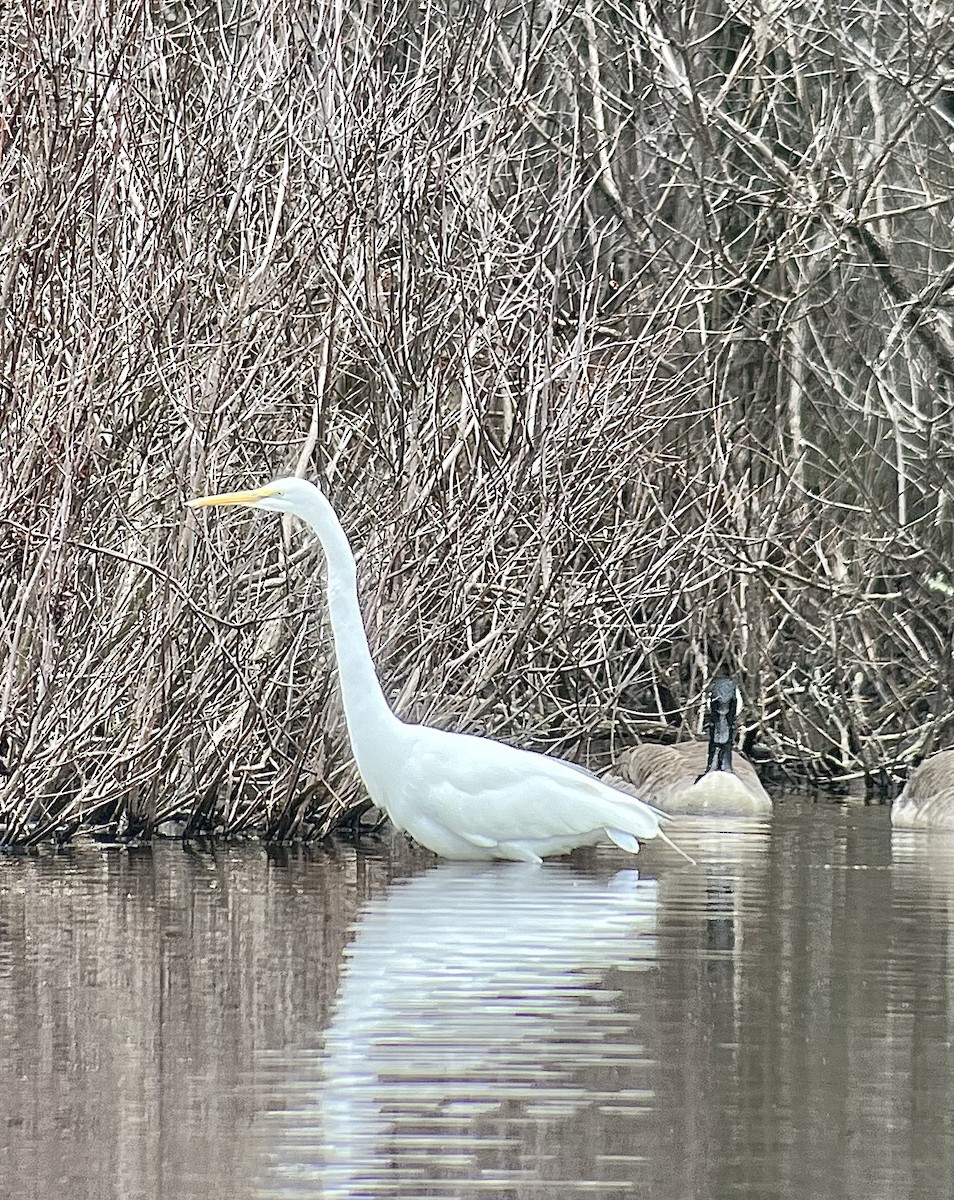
column 775, row 1021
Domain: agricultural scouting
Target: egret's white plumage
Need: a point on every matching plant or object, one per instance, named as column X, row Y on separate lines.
column 927, row 801
column 464, row 797
column 696, row 777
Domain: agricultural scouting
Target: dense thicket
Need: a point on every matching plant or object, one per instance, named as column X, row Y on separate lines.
column 619, row 334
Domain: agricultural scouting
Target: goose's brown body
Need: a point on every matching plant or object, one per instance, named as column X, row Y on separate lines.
column 674, row 778
column 927, row 801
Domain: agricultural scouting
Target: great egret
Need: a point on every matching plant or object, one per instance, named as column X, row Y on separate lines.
column 927, row 801
column 462, row 796
column 692, row 778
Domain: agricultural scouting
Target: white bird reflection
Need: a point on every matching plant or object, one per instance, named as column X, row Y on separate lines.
column 470, row 996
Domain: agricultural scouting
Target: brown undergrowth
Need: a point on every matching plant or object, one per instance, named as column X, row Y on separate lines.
column 610, row 387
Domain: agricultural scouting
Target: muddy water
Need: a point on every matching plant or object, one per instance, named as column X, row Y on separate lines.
column 775, row 1021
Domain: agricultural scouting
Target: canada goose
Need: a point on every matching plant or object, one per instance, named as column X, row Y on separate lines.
column 927, row 801
column 691, row 778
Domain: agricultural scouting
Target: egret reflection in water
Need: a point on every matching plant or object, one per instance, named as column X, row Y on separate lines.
column 469, row 997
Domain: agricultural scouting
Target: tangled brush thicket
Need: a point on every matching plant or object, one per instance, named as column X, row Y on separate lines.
column 619, row 337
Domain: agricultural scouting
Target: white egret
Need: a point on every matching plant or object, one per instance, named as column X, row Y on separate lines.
column 927, row 801
column 462, row 796
column 691, row 777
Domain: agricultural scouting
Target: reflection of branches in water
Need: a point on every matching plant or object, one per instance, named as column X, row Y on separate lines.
column 620, row 334
column 470, row 1003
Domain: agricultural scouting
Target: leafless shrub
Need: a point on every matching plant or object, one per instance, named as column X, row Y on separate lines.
column 617, row 334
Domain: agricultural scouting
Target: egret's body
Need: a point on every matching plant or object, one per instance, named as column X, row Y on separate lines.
column 697, row 777
column 927, row 801
column 463, row 797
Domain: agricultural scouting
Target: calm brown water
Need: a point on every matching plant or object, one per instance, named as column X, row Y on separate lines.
column 776, row 1021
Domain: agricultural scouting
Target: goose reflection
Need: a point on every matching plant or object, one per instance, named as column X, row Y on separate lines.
column 922, row 870
column 715, row 911
column 470, row 999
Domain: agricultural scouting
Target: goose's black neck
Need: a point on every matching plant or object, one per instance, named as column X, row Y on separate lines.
column 723, row 702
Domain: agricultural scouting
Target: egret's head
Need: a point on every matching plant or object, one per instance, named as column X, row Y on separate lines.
column 289, row 495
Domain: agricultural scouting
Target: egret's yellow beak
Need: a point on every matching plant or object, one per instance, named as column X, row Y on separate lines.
column 252, row 497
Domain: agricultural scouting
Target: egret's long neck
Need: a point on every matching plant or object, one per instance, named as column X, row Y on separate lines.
column 371, row 722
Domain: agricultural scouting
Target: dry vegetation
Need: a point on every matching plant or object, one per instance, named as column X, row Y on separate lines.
column 619, row 334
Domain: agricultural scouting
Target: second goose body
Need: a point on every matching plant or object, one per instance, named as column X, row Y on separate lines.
column 927, row 801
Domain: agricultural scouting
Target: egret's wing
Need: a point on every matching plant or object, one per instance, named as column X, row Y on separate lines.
column 615, row 783
column 494, row 792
